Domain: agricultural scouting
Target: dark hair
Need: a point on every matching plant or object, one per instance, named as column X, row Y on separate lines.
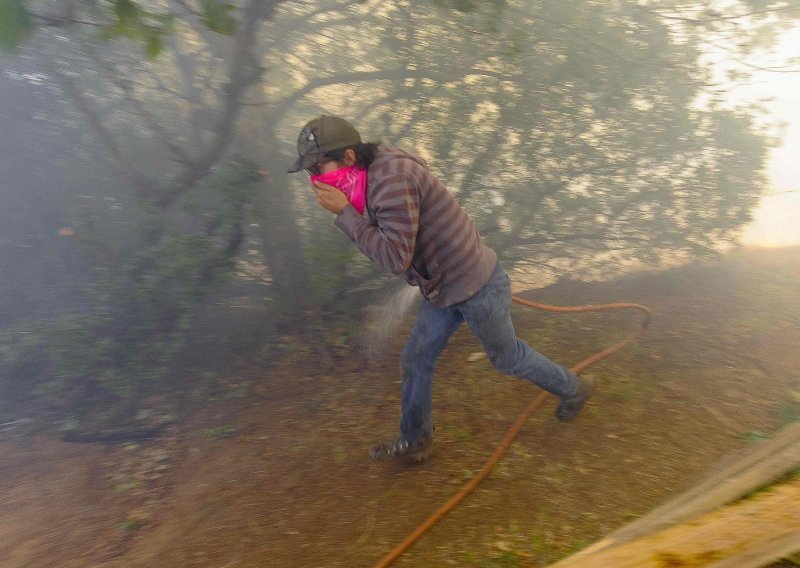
column 365, row 153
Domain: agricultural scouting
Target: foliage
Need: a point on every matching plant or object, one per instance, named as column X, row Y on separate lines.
column 218, row 16
column 142, row 299
column 132, row 21
column 116, row 18
column 15, row 23
column 176, row 219
column 573, row 128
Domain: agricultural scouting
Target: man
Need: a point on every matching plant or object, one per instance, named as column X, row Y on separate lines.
column 403, row 219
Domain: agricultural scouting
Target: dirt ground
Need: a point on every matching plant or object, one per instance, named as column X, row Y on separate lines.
column 270, row 468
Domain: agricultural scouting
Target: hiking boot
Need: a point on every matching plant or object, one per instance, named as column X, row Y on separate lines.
column 402, row 450
column 569, row 407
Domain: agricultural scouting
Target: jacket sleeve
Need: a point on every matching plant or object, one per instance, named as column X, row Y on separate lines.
column 395, row 202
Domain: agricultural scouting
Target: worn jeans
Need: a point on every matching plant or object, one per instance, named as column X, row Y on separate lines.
column 488, row 315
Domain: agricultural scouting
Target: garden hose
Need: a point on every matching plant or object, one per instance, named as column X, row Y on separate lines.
column 512, row 433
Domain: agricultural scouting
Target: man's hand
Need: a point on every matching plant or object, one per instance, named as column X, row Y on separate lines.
column 330, row 198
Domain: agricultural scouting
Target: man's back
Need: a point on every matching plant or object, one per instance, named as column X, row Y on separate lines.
column 435, row 244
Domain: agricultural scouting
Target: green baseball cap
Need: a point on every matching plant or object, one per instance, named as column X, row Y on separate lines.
column 321, row 135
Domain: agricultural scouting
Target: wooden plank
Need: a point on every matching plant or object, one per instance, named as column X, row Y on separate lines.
column 732, row 479
column 747, row 534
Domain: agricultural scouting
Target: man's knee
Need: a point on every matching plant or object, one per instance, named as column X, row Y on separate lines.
column 412, row 357
column 505, row 361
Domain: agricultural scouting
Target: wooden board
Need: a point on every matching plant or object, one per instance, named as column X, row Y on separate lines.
column 692, row 529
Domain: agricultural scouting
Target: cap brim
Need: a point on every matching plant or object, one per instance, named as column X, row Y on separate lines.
column 304, row 162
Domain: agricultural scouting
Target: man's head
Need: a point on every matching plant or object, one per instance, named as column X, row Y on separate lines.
column 319, row 141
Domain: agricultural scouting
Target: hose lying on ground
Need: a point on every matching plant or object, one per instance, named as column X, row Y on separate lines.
column 512, row 433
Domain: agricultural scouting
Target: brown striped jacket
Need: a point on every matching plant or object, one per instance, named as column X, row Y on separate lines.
column 416, row 228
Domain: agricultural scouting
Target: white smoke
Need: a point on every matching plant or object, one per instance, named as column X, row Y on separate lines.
column 384, row 320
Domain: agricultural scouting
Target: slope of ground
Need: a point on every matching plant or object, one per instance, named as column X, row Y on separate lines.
column 270, row 468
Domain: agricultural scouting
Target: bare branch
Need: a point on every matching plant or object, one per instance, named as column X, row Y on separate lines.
column 245, row 71
column 55, row 22
column 717, row 17
column 152, row 122
column 382, row 75
column 142, row 183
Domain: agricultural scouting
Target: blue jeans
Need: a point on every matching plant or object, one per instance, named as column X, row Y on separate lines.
column 488, row 315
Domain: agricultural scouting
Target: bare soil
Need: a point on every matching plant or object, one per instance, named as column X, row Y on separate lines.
column 270, row 468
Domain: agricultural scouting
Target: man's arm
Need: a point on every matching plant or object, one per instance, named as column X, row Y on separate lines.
column 395, row 201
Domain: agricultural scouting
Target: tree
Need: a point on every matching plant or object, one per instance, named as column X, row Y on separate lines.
column 590, row 105
column 573, row 126
column 185, row 202
column 575, row 132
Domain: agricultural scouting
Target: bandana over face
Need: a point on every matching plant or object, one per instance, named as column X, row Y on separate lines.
column 350, row 180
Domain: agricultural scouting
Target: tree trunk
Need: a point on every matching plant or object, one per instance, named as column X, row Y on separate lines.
column 283, row 252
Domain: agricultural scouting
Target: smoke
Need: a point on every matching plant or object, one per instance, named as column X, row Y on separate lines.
column 385, row 319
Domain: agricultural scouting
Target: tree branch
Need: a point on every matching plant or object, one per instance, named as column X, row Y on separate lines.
column 716, row 17
column 152, row 123
column 142, row 183
column 382, row 75
column 191, row 18
column 245, row 71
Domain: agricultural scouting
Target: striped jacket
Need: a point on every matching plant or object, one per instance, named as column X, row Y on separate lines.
column 416, row 228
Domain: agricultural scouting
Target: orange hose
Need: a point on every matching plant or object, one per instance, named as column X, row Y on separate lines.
column 512, row 433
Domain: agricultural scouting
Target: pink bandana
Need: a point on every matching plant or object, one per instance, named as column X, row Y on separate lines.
column 352, row 181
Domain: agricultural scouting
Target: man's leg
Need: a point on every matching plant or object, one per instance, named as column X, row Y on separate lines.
column 488, row 313
column 433, row 328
